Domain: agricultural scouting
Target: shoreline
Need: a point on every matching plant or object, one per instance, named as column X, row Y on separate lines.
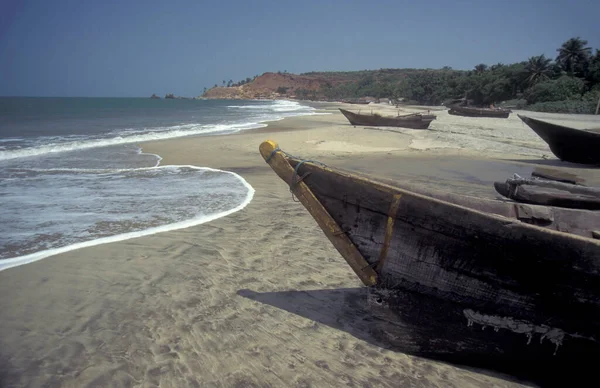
column 13, row 262
column 257, row 298
column 301, row 122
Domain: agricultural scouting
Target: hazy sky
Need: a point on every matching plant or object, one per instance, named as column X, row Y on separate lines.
column 136, row 48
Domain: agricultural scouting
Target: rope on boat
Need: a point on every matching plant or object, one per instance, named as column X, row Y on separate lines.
column 273, row 153
column 295, row 179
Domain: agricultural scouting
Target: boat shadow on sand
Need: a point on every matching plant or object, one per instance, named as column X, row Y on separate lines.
column 347, row 309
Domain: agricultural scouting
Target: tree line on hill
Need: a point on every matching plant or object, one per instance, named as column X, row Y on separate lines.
column 569, row 83
column 231, row 83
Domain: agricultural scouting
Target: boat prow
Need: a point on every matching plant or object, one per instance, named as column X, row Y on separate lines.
column 566, row 143
column 506, row 291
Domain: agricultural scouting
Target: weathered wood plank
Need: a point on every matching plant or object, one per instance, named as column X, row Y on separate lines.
column 549, row 196
column 570, row 188
column 389, row 230
column 554, row 197
column 537, row 213
column 557, row 175
column 332, row 230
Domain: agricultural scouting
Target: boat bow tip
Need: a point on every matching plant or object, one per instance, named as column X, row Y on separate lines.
column 266, row 149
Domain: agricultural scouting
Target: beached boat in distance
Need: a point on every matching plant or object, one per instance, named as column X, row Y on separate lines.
column 469, row 111
column 357, row 102
column 413, row 121
column 457, row 280
column 568, row 144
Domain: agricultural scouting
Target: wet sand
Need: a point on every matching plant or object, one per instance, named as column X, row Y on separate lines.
column 256, row 299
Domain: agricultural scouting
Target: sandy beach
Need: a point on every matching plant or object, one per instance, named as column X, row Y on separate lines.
column 259, row 298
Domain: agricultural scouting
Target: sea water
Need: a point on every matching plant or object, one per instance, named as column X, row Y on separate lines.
column 72, row 173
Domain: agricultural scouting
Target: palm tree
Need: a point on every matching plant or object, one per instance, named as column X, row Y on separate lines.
column 593, row 74
column 538, row 69
column 480, row 68
column 497, row 66
column 573, row 56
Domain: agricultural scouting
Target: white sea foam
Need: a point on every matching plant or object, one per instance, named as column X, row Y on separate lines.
column 11, row 140
column 276, row 106
column 165, row 133
column 274, row 111
column 195, row 220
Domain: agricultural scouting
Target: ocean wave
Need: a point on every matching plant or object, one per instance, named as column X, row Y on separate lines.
column 11, row 140
column 261, row 114
column 164, row 133
column 193, row 221
column 276, row 106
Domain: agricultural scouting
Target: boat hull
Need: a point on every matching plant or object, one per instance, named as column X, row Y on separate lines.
column 413, row 121
column 567, row 144
column 431, row 327
column 457, row 110
column 457, row 281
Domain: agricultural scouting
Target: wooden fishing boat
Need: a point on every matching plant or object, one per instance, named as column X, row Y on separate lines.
column 413, row 121
column 469, row 111
column 461, row 279
column 356, row 102
column 568, row 144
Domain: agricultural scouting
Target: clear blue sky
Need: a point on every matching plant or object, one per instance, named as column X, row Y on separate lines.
column 136, row 48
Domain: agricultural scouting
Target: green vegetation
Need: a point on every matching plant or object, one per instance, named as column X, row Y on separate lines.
column 569, row 84
column 572, row 106
column 240, row 83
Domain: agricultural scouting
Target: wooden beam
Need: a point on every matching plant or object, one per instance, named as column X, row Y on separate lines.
column 389, row 230
column 279, row 163
column 557, row 175
column 548, row 196
column 574, row 189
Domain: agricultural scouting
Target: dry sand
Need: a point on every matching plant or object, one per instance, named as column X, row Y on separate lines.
column 259, row 298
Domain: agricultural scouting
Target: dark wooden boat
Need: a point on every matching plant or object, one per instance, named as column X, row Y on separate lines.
column 462, row 280
column 568, row 144
column 469, row 111
column 413, row 121
column 356, row 102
